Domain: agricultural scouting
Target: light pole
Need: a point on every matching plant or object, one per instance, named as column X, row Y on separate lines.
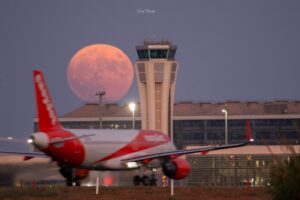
column 132, row 107
column 226, row 126
column 100, row 94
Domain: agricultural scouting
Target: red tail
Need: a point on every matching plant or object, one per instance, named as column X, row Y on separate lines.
column 46, row 112
column 248, row 130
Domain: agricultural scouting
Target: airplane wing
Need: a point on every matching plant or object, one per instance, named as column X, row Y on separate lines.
column 11, row 139
column 28, row 154
column 177, row 153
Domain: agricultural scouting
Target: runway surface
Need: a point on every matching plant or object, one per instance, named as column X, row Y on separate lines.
column 133, row 193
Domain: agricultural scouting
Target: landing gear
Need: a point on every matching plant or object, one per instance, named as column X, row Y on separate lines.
column 136, row 180
column 153, row 180
column 72, row 175
column 72, row 182
column 77, row 183
column 145, row 180
column 69, row 182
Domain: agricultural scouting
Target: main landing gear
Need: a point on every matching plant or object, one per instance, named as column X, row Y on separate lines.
column 73, row 176
column 145, row 180
column 69, row 174
column 72, row 182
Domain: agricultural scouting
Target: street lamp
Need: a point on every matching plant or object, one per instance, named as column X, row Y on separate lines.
column 100, row 94
column 132, row 107
column 226, row 126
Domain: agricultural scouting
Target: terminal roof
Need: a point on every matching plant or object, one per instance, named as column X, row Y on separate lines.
column 182, row 109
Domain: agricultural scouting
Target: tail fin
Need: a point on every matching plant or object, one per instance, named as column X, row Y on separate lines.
column 46, row 112
column 248, row 131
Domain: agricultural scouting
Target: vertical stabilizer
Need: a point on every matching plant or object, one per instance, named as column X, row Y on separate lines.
column 46, row 113
column 248, row 130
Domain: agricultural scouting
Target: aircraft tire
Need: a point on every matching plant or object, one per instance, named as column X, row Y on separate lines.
column 145, row 180
column 153, row 180
column 137, row 180
column 77, row 183
column 69, row 183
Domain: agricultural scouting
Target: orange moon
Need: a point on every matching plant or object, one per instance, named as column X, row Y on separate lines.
column 100, row 67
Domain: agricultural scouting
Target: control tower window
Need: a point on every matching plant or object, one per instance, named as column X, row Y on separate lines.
column 173, row 71
column 158, row 53
column 172, row 53
column 142, row 72
column 143, row 54
column 158, row 72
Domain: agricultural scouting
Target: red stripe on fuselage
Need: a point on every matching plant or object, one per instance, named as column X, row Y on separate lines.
column 144, row 140
column 70, row 152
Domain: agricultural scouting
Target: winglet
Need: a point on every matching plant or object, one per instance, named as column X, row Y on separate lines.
column 25, row 158
column 46, row 112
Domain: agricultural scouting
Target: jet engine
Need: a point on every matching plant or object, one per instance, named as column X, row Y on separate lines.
column 176, row 169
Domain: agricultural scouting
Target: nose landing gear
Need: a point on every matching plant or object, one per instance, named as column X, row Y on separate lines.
column 145, row 180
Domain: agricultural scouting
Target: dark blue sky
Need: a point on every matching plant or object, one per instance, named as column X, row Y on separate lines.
column 227, row 49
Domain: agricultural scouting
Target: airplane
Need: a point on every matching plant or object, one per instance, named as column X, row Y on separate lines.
column 76, row 151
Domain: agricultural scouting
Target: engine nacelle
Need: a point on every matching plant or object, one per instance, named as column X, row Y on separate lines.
column 81, row 173
column 176, row 169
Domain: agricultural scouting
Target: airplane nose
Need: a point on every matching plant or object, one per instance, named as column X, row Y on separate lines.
column 39, row 140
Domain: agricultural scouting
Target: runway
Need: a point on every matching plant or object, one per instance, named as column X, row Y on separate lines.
column 133, row 193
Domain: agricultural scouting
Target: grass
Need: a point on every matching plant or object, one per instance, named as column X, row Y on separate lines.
column 132, row 193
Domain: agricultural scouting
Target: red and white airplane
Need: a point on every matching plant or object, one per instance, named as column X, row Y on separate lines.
column 77, row 151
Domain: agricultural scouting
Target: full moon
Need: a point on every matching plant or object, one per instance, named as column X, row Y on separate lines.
column 100, row 67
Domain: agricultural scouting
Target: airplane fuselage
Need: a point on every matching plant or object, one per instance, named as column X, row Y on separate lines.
column 104, row 149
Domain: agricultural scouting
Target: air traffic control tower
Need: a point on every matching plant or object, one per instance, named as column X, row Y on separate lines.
column 156, row 71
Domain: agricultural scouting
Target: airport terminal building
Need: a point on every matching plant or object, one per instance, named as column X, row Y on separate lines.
column 274, row 125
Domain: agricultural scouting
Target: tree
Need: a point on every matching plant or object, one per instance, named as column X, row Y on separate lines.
column 285, row 179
